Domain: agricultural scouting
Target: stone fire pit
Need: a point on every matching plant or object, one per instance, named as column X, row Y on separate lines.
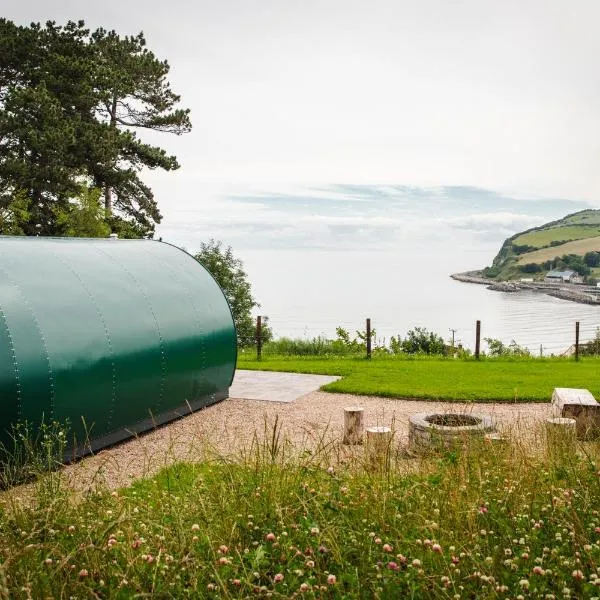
column 447, row 429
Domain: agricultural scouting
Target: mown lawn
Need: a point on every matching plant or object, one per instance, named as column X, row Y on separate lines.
column 507, row 380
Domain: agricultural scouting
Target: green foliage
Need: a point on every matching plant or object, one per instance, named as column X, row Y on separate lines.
column 420, row 340
column 497, row 348
column 592, row 259
column 522, row 249
column 83, row 216
column 592, row 347
column 531, row 268
column 70, row 102
column 491, row 272
column 14, row 214
column 35, row 450
column 229, row 273
column 501, row 379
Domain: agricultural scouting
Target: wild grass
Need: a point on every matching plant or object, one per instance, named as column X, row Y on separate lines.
column 317, row 346
column 487, row 380
column 483, row 521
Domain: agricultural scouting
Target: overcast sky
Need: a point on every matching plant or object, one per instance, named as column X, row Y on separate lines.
column 500, row 94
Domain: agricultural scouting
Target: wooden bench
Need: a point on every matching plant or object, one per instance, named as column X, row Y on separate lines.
column 580, row 405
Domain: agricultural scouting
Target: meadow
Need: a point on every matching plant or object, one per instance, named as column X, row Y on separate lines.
column 503, row 379
column 580, row 247
column 499, row 521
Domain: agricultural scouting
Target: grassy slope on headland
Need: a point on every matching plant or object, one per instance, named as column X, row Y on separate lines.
column 487, row 380
column 546, row 242
column 579, row 247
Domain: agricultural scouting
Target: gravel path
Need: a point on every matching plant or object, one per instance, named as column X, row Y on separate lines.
column 230, row 426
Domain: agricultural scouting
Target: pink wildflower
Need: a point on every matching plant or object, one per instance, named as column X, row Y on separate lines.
column 387, row 548
column 270, row 537
column 437, row 548
column 278, row 578
column 393, row 566
column 83, row 573
column 331, row 579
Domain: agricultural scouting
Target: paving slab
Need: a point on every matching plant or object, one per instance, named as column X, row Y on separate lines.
column 274, row 386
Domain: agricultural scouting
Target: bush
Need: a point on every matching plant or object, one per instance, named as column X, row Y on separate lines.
column 530, row 268
column 497, row 348
column 592, row 259
column 419, row 340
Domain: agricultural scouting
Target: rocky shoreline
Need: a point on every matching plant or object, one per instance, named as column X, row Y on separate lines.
column 565, row 291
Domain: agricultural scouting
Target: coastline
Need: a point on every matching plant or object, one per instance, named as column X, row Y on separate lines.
column 565, row 291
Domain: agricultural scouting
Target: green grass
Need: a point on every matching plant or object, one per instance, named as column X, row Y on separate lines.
column 506, row 380
column 564, row 233
column 486, row 522
column 586, row 217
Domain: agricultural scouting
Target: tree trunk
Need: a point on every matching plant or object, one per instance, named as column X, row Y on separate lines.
column 108, row 206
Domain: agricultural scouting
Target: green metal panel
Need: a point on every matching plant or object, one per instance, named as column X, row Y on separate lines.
column 112, row 335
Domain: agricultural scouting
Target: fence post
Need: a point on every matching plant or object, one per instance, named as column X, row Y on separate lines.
column 477, row 339
column 258, row 337
column 368, row 338
column 576, row 340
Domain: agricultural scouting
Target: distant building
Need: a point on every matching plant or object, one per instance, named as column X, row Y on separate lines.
column 526, row 280
column 562, row 277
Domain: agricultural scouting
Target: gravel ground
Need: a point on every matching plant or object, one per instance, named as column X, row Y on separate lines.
column 230, row 427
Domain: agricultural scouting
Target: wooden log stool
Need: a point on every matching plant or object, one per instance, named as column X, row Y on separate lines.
column 378, row 446
column 353, row 425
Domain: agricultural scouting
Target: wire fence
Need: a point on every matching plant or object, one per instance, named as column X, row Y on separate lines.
column 542, row 340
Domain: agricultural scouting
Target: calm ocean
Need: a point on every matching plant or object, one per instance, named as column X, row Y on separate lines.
column 319, row 257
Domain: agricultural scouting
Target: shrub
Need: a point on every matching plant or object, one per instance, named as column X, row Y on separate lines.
column 497, row 348
column 420, row 340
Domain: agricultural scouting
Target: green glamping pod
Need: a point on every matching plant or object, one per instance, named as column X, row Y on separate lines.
column 109, row 336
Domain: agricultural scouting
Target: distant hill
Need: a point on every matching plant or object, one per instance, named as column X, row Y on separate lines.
column 570, row 243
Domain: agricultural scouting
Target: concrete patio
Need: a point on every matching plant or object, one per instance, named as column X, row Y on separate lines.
column 275, row 387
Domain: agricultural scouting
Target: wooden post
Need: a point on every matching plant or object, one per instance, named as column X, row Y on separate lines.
column 576, row 340
column 368, row 338
column 378, row 445
column 477, row 339
column 258, row 337
column 353, row 425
